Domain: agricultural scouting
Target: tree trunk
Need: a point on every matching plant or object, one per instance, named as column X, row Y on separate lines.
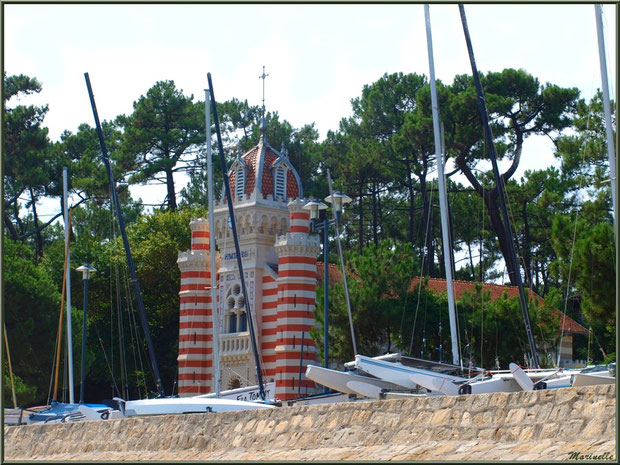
column 375, row 225
column 361, row 217
column 491, row 198
column 428, row 231
column 411, row 204
column 11, row 227
column 172, row 197
column 38, row 236
column 20, row 225
column 527, row 240
column 471, row 263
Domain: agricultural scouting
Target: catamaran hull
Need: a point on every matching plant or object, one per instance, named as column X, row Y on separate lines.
column 341, row 381
column 179, row 405
column 400, row 374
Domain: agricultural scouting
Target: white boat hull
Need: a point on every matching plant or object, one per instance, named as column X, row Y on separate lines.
column 179, row 405
column 340, row 381
column 589, row 379
column 400, row 374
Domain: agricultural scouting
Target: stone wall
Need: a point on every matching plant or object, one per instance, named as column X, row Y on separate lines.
column 535, row 425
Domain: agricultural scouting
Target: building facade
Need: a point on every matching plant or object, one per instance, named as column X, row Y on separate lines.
column 279, row 262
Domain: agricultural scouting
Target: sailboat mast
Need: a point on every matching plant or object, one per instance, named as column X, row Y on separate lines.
column 607, row 107
column 500, row 188
column 214, row 305
column 65, row 187
column 443, row 201
column 233, row 225
column 121, row 224
column 342, row 268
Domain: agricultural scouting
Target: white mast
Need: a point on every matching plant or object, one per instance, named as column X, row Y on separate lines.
column 214, row 306
column 606, row 105
column 65, row 185
column 443, row 202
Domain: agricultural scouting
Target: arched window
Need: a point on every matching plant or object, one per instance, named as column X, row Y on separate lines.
column 243, row 322
column 280, row 184
column 232, row 322
column 239, row 182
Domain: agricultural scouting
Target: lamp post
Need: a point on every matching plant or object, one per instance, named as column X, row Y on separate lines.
column 316, row 208
column 86, row 270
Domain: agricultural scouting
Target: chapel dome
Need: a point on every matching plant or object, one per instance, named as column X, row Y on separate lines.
column 264, row 173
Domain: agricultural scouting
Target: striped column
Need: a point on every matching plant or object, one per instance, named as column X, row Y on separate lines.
column 269, row 326
column 195, row 316
column 297, row 252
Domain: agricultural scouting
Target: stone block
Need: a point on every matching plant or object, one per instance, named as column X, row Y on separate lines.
column 543, row 412
column 464, row 434
column 441, row 417
column 567, row 395
column 549, row 430
column 528, row 433
column 448, row 401
column 424, row 417
column 508, row 433
column 515, row 416
column 571, row 428
column 483, row 419
column 594, row 428
column 487, row 433
column 499, row 400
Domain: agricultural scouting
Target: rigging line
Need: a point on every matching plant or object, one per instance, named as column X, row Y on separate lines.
column 518, row 247
column 8, row 357
column 421, row 273
column 115, row 272
column 138, row 342
column 484, row 156
column 106, row 358
column 62, row 301
column 49, row 391
column 570, row 266
column 111, row 286
column 135, row 342
column 248, row 382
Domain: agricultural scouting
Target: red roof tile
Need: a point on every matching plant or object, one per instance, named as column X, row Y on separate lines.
column 270, row 157
column 292, row 189
column 250, row 176
column 496, row 291
column 334, row 274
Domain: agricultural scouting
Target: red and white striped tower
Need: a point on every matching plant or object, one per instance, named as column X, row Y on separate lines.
column 195, row 318
column 297, row 252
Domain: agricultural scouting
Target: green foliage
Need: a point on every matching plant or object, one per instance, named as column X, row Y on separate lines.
column 28, row 167
column 379, row 280
column 162, row 133
column 382, row 156
column 24, row 394
column 494, row 332
column 31, row 312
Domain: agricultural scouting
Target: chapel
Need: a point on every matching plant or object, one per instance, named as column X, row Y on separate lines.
column 279, row 258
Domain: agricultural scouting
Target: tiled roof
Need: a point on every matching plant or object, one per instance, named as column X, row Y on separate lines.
column 438, row 286
column 250, row 176
column 334, row 274
column 292, row 189
column 496, row 291
column 270, row 157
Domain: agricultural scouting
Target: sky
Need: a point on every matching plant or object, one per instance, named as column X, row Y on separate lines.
column 318, row 57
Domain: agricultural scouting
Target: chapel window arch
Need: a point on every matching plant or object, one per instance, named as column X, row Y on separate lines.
column 280, row 183
column 239, row 182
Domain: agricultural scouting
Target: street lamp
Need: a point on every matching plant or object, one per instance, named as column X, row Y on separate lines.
column 339, row 200
column 86, row 270
column 316, row 207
